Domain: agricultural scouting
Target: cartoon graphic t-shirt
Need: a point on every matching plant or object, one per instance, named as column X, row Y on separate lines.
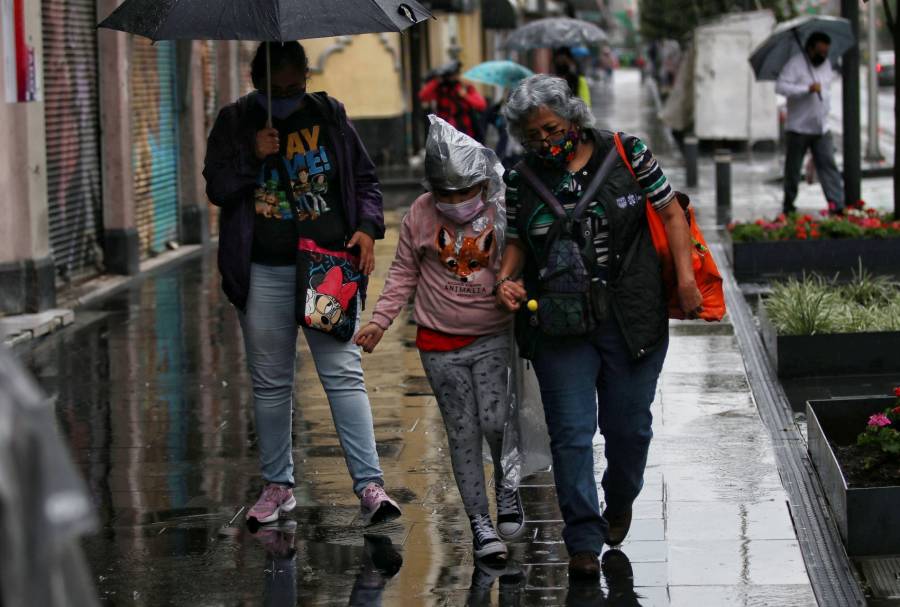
column 305, row 167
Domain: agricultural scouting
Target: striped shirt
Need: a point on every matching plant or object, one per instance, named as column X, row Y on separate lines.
column 650, row 177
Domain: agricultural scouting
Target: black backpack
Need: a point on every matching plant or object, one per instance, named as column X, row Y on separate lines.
column 572, row 297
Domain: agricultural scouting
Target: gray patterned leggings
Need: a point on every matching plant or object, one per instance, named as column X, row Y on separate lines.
column 470, row 387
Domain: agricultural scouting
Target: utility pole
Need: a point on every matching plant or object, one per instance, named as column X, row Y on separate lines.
column 873, row 149
column 850, row 102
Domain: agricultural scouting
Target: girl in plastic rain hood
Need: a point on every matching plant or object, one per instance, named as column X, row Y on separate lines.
column 448, row 256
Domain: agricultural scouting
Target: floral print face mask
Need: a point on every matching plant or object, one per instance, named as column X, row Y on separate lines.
column 560, row 152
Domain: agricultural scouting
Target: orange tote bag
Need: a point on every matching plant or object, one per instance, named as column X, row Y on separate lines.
column 706, row 273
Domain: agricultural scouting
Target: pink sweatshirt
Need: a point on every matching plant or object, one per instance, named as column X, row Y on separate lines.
column 451, row 274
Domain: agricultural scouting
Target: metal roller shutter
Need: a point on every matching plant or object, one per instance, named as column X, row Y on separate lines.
column 73, row 137
column 154, row 131
column 210, row 105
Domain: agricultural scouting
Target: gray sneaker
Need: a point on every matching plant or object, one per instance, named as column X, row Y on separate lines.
column 510, row 513
column 485, row 541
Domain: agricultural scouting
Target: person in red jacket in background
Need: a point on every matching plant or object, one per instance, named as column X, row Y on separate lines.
column 459, row 104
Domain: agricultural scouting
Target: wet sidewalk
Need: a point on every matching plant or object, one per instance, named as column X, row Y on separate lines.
column 153, row 396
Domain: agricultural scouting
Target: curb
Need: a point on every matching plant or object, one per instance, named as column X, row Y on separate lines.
column 20, row 329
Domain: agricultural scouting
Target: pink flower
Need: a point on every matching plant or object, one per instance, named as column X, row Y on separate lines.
column 880, row 420
column 897, row 391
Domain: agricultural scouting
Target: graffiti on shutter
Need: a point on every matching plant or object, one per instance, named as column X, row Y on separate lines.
column 73, row 137
column 154, row 144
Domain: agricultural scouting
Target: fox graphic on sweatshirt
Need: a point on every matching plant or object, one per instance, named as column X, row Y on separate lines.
column 466, row 257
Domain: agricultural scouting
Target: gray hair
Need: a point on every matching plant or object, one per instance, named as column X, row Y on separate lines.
column 549, row 91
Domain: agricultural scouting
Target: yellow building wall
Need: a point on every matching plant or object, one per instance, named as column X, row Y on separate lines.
column 361, row 71
column 460, row 30
column 470, row 39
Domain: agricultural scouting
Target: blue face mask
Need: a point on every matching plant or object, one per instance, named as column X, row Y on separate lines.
column 282, row 107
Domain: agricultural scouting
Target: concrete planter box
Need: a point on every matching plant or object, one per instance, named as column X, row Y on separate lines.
column 830, row 353
column 864, row 515
column 761, row 261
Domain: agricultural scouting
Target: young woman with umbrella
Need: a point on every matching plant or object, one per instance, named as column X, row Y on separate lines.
column 338, row 206
column 321, row 165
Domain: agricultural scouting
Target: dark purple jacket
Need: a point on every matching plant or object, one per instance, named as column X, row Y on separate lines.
column 232, row 169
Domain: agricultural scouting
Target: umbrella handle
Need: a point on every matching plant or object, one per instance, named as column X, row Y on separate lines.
column 269, row 82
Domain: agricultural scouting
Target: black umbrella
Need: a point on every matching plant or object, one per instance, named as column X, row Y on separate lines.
column 262, row 20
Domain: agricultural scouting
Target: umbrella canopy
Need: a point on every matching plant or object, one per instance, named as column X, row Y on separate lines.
column 263, row 20
column 789, row 38
column 500, row 73
column 555, row 32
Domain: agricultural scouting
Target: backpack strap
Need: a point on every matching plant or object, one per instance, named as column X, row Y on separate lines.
column 544, row 193
column 600, row 176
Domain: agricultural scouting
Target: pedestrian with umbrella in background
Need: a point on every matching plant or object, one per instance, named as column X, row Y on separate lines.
column 562, row 34
column 799, row 56
column 294, row 183
column 457, row 102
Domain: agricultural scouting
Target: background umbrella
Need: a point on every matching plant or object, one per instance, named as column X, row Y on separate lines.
column 581, row 51
column 500, row 73
column 555, row 32
column 262, row 20
column 789, row 38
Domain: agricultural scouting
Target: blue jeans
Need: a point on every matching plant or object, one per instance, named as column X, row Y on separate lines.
column 587, row 383
column 270, row 339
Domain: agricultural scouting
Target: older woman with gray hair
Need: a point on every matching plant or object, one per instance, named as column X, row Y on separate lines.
column 595, row 324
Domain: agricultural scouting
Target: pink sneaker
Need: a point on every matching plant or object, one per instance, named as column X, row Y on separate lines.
column 376, row 506
column 274, row 500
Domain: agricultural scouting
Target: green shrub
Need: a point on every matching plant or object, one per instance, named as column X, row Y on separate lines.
column 814, row 305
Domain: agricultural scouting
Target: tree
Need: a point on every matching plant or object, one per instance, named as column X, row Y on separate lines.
column 892, row 19
column 676, row 19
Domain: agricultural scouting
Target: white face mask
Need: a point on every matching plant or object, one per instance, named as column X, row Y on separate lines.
column 464, row 212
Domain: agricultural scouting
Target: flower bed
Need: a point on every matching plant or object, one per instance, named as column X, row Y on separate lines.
column 792, row 244
column 815, row 326
column 854, row 447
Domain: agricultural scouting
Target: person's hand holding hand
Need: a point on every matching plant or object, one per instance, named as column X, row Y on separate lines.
column 267, row 143
column 366, row 251
column 511, row 294
column 368, row 337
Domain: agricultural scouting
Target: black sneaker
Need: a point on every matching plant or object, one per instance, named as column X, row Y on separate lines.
column 485, row 541
column 619, row 524
column 510, row 513
column 584, row 567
